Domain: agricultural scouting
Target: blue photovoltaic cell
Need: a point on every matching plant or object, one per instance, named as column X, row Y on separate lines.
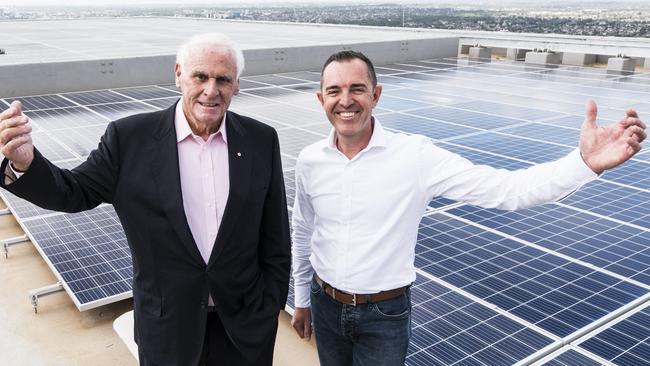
column 572, row 357
column 42, row 102
column 450, row 329
column 395, row 81
column 416, row 125
column 558, row 295
column 290, row 184
column 65, row 118
column 521, row 112
column 399, row 104
column 622, row 203
column 119, row 110
column 466, row 118
column 440, row 202
column 573, row 121
column 163, row 103
column 514, row 147
column 147, row 92
column 427, row 96
column 50, row 148
column 626, row 343
column 618, row 248
column 546, row 133
column 277, row 80
column 293, row 140
column 80, row 140
column 96, row 97
column 482, row 158
column 632, row 173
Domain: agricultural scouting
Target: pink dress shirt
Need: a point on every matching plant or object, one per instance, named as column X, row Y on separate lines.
column 204, row 180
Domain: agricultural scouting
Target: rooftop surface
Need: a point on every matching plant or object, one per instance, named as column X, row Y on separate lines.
column 93, row 39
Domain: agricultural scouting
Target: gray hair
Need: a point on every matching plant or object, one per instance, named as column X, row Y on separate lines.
column 216, row 40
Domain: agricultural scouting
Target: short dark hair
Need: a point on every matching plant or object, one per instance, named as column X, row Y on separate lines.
column 349, row 56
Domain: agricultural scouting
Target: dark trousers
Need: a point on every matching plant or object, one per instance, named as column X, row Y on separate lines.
column 218, row 350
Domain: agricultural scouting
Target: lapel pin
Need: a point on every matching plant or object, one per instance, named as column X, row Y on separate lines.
column 239, row 154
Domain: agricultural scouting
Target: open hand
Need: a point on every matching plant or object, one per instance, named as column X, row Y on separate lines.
column 606, row 147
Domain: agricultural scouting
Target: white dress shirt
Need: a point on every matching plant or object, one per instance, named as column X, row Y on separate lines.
column 355, row 222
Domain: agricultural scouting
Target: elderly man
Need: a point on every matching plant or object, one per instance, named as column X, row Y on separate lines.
column 361, row 193
column 200, row 193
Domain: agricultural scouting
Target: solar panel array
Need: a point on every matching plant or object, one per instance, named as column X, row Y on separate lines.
column 566, row 283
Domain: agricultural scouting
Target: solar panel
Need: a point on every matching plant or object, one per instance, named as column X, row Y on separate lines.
column 626, row 342
column 88, row 251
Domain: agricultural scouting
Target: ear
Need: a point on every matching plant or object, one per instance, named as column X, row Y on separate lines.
column 376, row 94
column 177, row 75
column 319, row 95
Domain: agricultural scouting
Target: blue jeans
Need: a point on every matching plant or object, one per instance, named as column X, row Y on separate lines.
column 374, row 334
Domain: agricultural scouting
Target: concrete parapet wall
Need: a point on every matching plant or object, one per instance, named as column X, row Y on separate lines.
column 59, row 77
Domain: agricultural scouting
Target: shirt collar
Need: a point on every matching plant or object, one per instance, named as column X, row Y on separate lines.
column 377, row 139
column 183, row 129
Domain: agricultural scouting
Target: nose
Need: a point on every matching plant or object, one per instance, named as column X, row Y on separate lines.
column 346, row 99
column 211, row 88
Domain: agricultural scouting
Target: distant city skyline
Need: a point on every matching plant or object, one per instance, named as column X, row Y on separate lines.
column 175, row 3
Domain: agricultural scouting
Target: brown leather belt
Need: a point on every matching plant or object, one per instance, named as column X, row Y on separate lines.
column 357, row 299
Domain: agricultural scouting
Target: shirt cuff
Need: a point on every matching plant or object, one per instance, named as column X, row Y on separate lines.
column 581, row 171
column 16, row 172
column 574, row 172
column 302, row 298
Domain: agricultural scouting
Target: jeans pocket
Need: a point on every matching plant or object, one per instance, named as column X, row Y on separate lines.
column 396, row 308
column 315, row 288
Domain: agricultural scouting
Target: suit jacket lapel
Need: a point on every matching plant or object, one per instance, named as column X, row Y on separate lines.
column 168, row 182
column 239, row 165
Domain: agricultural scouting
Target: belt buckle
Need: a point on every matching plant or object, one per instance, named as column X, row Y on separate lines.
column 354, row 299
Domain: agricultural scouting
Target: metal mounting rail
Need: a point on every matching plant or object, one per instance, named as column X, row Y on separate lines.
column 35, row 294
column 6, row 243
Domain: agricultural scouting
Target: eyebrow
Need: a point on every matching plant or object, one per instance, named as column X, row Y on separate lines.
column 336, row 87
column 218, row 77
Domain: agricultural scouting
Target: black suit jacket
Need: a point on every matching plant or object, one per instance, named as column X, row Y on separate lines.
column 135, row 168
